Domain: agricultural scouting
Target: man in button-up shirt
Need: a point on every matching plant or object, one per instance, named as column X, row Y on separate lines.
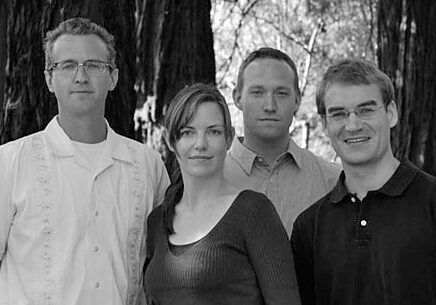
column 74, row 197
column 267, row 159
column 371, row 240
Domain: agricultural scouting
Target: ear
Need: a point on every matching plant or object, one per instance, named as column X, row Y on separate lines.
column 230, row 138
column 166, row 138
column 48, row 80
column 297, row 104
column 114, row 79
column 324, row 125
column 392, row 113
column 237, row 99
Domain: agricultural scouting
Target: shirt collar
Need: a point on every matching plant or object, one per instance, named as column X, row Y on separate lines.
column 246, row 157
column 62, row 146
column 395, row 186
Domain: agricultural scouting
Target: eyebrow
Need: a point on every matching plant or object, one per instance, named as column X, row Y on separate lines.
column 210, row 126
column 363, row 104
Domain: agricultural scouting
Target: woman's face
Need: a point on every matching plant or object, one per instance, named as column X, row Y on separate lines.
column 202, row 146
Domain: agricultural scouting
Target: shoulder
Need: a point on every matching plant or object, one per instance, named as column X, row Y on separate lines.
column 252, row 204
column 22, row 147
column 309, row 216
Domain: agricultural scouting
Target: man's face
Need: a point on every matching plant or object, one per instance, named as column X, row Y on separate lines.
column 79, row 93
column 359, row 141
column 267, row 99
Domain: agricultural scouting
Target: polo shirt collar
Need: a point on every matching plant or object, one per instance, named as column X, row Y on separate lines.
column 62, row 146
column 395, row 186
column 246, row 157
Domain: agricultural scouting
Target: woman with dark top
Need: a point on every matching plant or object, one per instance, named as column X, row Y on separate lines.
column 210, row 243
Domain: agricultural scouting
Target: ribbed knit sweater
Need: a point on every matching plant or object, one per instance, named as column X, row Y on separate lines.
column 245, row 259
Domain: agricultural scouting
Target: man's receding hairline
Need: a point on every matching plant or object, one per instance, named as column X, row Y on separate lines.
column 268, row 58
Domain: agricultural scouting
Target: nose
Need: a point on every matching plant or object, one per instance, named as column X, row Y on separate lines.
column 353, row 123
column 200, row 142
column 270, row 103
column 81, row 76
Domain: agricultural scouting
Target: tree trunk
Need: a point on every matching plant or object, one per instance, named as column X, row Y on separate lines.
column 406, row 39
column 176, row 49
column 28, row 106
column 3, row 24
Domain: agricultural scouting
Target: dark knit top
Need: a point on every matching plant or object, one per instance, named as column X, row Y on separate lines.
column 245, row 259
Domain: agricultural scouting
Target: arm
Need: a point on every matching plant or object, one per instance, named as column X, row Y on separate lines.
column 303, row 255
column 271, row 255
column 6, row 207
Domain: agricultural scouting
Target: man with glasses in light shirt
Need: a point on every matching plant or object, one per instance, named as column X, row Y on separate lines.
column 74, row 198
column 371, row 240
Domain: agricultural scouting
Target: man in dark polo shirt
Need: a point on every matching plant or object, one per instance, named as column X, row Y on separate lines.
column 372, row 239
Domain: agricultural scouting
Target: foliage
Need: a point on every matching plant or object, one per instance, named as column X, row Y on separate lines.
column 314, row 33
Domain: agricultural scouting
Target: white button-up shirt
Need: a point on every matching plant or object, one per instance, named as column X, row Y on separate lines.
column 70, row 234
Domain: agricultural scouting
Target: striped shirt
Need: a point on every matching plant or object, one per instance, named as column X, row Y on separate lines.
column 296, row 180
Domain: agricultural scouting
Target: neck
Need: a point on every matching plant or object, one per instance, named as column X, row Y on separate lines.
column 199, row 191
column 84, row 129
column 269, row 149
column 361, row 179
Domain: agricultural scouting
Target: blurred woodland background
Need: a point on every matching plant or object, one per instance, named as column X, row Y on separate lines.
column 164, row 45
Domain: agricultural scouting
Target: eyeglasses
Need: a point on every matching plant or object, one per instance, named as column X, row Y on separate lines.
column 362, row 112
column 91, row 67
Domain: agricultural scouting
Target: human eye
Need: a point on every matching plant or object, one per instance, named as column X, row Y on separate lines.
column 338, row 115
column 282, row 93
column 366, row 111
column 67, row 66
column 215, row 131
column 93, row 66
column 185, row 132
column 256, row 92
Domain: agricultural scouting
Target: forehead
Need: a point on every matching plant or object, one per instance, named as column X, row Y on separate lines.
column 350, row 95
column 208, row 113
column 79, row 47
column 268, row 72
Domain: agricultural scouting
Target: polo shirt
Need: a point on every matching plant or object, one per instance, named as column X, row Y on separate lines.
column 296, row 180
column 381, row 250
column 72, row 232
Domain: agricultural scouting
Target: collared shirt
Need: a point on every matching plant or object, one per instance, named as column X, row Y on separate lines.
column 381, row 250
column 296, row 180
column 71, row 233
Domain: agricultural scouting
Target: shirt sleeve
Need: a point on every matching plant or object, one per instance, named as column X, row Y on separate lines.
column 6, row 206
column 270, row 252
column 303, row 255
column 163, row 181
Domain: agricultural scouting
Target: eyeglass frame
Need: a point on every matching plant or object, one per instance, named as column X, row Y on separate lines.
column 107, row 65
column 356, row 112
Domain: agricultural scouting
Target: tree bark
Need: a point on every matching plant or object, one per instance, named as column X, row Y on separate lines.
column 406, row 39
column 28, row 106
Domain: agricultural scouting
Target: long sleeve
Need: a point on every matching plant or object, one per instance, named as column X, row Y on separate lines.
column 303, row 255
column 6, row 205
column 271, row 255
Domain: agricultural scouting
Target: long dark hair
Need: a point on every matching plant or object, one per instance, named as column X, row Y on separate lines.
column 180, row 113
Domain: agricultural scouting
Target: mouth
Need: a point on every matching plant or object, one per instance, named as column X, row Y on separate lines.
column 269, row 120
column 357, row 140
column 81, row 92
column 200, row 157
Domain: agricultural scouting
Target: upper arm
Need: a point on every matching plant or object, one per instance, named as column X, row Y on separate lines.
column 271, row 255
column 303, row 256
column 6, row 205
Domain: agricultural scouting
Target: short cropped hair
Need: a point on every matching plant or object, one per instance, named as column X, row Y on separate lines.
column 184, row 106
column 354, row 72
column 267, row 53
column 78, row 26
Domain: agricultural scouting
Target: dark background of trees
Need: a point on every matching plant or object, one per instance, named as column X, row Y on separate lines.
column 164, row 45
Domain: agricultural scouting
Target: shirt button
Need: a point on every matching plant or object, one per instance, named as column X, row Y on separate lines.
column 363, row 223
column 96, row 213
column 353, row 200
column 96, row 284
column 95, row 249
